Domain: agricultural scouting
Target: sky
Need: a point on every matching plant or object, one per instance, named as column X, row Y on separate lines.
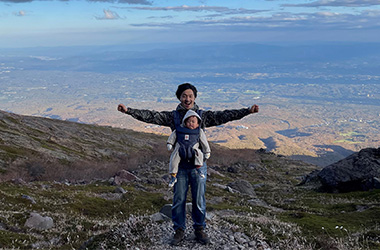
column 33, row 23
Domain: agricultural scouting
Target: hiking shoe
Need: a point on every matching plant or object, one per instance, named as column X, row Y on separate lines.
column 178, row 237
column 172, row 181
column 201, row 236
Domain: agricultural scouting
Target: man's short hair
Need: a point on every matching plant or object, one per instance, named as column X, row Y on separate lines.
column 184, row 87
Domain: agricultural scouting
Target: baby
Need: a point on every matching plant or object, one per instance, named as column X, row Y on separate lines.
column 190, row 145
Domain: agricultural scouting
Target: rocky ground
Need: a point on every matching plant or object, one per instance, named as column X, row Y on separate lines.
column 158, row 235
column 61, row 188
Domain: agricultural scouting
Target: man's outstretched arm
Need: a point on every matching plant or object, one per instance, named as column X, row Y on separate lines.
column 215, row 118
column 163, row 118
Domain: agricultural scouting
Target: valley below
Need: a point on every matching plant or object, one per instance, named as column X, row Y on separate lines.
column 314, row 128
column 316, row 104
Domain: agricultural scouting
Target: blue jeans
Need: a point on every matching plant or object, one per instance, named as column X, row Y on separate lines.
column 186, row 177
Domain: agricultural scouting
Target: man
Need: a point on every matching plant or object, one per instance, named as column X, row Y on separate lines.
column 187, row 173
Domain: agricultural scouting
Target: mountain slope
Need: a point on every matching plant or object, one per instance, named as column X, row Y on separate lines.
column 26, row 139
column 61, row 170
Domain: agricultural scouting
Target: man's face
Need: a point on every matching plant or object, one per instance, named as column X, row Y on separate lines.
column 192, row 122
column 187, row 99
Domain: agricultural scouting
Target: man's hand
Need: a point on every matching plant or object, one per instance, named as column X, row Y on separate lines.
column 254, row 109
column 122, row 108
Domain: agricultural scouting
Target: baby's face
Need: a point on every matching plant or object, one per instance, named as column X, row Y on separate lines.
column 192, row 122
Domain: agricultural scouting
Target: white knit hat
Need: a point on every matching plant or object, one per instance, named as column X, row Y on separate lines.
column 191, row 113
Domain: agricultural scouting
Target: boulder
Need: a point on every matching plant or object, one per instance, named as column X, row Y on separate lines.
column 124, row 176
column 159, row 217
column 311, row 180
column 167, row 209
column 214, row 172
column 257, row 202
column 358, row 172
column 39, row 222
column 243, row 186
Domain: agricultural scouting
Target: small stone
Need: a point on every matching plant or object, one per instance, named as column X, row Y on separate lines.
column 252, row 243
column 209, row 216
column 120, row 190
column 27, row 197
column 124, row 176
column 167, row 210
column 219, row 185
column 229, row 189
column 18, row 181
column 241, row 238
column 111, row 180
column 157, row 217
column 233, row 170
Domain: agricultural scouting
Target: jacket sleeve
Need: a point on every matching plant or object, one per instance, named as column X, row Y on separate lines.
column 203, row 142
column 164, row 118
column 215, row 118
column 172, row 138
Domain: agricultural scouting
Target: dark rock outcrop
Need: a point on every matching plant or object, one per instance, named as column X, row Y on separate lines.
column 358, row 172
column 123, row 176
column 243, row 186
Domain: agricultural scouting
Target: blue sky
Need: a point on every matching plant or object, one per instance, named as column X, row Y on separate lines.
column 30, row 23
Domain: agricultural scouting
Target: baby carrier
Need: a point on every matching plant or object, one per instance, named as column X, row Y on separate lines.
column 186, row 138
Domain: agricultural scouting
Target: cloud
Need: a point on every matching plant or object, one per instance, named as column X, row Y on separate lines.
column 19, row 13
column 161, row 17
column 16, row 1
column 142, row 2
column 108, row 15
column 201, row 8
column 283, row 21
column 336, row 3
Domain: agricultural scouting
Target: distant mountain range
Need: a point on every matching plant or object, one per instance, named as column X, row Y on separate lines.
column 204, row 56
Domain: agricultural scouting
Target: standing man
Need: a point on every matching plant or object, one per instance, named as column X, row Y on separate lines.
column 187, row 173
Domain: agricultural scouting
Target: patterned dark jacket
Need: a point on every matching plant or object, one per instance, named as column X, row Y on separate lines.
column 209, row 118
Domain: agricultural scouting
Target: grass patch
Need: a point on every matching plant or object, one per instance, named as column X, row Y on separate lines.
column 11, row 240
column 97, row 207
column 133, row 202
column 13, row 152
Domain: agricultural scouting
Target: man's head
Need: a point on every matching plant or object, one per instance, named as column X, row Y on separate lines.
column 186, row 94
